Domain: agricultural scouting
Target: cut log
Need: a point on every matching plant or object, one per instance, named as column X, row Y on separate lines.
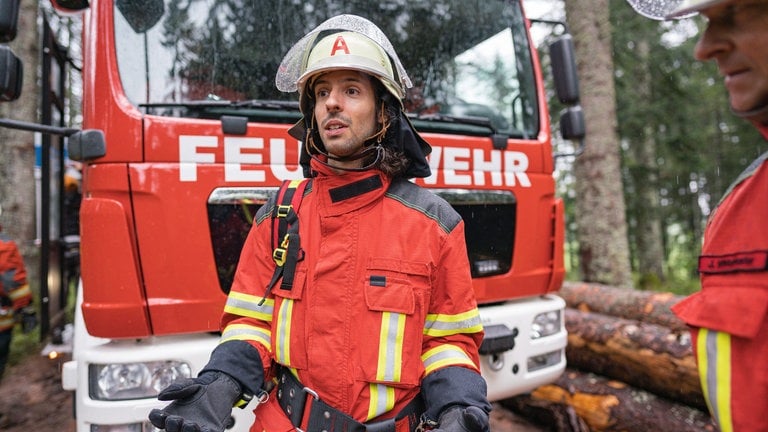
column 555, row 416
column 646, row 356
column 608, row 405
column 645, row 306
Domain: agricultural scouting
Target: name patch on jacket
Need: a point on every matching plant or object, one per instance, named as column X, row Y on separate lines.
column 737, row 262
column 380, row 281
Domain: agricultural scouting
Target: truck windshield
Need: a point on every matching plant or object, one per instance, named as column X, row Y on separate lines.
column 468, row 61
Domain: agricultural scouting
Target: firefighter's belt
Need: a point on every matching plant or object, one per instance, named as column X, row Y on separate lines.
column 295, row 400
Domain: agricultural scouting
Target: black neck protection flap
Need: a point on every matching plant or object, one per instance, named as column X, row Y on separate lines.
column 401, row 136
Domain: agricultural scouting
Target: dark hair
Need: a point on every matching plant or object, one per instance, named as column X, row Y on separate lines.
column 392, row 162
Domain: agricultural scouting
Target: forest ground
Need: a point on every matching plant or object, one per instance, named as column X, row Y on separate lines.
column 31, row 399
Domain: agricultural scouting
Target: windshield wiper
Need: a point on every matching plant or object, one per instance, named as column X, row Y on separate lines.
column 499, row 138
column 268, row 104
column 203, row 104
column 187, row 104
column 467, row 120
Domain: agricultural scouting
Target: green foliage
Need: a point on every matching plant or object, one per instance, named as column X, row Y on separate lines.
column 679, row 105
column 700, row 146
column 23, row 345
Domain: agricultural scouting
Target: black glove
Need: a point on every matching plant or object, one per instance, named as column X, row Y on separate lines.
column 463, row 419
column 202, row 404
column 453, row 387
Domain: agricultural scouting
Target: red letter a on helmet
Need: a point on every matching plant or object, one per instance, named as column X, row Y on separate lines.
column 340, row 44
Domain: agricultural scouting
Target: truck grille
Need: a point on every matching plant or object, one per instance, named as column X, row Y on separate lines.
column 230, row 216
column 489, row 219
column 489, row 224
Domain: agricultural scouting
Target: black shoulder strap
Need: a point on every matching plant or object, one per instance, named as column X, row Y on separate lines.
column 286, row 245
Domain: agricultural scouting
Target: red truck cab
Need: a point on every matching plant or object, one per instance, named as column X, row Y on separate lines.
column 185, row 136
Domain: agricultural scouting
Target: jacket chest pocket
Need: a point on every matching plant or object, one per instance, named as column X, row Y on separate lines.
column 396, row 297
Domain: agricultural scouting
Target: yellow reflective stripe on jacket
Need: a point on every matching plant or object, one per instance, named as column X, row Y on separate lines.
column 283, row 332
column 20, row 292
column 6, row 321
column 445, row 325
column 247, row 332
column 713, row 350
column 248, row 305
column 390, row 363
column 6, row 318
column 382, row 400
column 444, row 355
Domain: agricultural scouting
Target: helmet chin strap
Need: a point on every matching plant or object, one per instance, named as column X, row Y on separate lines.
column 759, row 115
column 370, row 145
column 359, row 155
column 313, row 150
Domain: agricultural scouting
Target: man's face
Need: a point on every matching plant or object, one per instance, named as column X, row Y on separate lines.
column 345, row 110
column 736, row 38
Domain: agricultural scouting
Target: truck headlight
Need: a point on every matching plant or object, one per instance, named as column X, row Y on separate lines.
column 122, row 381
column 134, row 427
column 546, row 324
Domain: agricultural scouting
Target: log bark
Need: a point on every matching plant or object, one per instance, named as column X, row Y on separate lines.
column 645, row 306
column 608, row 405
column 646, row 356
column 555, row 416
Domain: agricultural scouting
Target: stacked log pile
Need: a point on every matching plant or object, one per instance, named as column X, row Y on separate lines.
column 630, row 367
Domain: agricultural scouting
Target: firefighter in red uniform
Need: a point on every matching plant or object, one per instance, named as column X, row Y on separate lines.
column 15, row 294
column 365, row 319
column 729, row 316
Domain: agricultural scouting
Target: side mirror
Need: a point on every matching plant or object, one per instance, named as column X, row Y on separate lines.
column 9, row 17
column 141, row 15
column 11, row 75
column 564, row 73
column 86, row 145
column 572, row 125
column 70, row 6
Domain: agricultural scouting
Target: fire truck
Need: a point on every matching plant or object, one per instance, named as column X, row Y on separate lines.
column 184, row 136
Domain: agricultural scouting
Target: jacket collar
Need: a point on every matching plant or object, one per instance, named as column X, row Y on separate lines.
column 339, row 193
column 763, row 128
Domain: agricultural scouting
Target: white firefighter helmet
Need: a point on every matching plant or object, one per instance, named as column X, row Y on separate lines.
column 689, row 7
column 669, row 9
column 343, row 42
column 349, row 50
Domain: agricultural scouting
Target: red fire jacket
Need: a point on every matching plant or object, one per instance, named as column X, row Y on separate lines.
column 382, row 298
column 734, row 259
column 14, row 289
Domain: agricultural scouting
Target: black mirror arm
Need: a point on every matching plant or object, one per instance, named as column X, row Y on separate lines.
column 35, row 127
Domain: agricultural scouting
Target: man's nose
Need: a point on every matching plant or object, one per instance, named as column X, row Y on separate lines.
column 333, row 102
column 712, row 42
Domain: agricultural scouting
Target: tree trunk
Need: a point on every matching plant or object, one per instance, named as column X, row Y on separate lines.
column 607, row 405
column 600, row 208
column 646, row 356
column 17, row 148
column 647, row 229
column 645, row 306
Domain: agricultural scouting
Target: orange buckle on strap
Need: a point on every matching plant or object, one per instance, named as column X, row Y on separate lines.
column 283, row 210
column 281, row 253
